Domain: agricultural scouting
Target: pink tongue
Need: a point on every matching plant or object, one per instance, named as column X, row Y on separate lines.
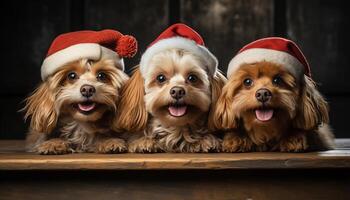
column 264, row 115
column 86, row 107
column 177, row 111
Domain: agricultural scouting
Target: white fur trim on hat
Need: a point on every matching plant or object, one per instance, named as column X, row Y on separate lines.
column 292, row 64
column 179, row 43
column 91, row 51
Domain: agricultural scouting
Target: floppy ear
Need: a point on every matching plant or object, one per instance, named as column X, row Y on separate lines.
column 313, row 110
column 40, row 108
column 131, row 114
column 217, row 83
column 224, row 116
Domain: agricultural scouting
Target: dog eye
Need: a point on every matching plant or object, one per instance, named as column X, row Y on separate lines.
column 72, row 76
column 248, row 82
column 192, row 78
column 101, row 76
column 277, row 80
column 161, row 78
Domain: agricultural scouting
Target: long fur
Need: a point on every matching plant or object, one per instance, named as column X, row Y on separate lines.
column 313, row 110
column 43, row 119
column 150, row 128
column 217, row 83
column 132, row 110
column 302, row 124
column 57, row 127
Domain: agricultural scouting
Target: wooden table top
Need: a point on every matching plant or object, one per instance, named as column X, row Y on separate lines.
column 13, row 157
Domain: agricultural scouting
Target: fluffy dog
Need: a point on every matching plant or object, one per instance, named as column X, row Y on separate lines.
column 73, row 108
column 270, row 102
column 166, row 103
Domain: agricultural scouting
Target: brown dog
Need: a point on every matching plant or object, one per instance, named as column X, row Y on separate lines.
column 73, row 108
column 270, row 103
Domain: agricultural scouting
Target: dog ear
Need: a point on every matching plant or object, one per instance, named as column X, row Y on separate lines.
column 40, row 108
column 131, row 113
column 313, row 110
column 224, row 116
column 217, row 83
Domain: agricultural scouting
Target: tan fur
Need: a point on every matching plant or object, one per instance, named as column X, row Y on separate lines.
column 160, row 138
column 224, row 116
column 132, row 110
column 147, row 100
column 111, row 145
column 57, row 127
column 314, row 109
column 217, row 84
column 44, row 119
column 299, row 111
column 54, row 146
column 234, row 142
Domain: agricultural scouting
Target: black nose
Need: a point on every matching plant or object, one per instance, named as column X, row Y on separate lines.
column 263, row 95
column 177, row 92
column 87, row 90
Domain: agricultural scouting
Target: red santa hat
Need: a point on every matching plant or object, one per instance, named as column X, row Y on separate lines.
column 92, row 45
column 179, row 36
column 273, row 49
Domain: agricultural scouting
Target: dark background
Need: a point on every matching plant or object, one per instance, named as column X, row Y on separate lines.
column 320, row 27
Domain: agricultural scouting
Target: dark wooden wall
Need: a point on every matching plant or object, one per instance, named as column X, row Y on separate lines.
column 320, row 27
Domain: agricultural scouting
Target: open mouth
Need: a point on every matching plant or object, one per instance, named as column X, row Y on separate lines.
column 264, row 114
column 177, row 109
column 86, row 107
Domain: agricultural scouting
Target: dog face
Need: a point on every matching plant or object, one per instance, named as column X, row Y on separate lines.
column 266, row 95
column 177, row 90
column 84, row 91
column 265, row 98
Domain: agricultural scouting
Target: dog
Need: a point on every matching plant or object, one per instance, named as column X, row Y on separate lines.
column 166, row 103
column 269, row 104
column 73, row 108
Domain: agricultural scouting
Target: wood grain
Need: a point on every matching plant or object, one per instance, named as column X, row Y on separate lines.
column 320, row 28
column 12, row 157
column 174, row 185
column 227, row 25
column 144, row 19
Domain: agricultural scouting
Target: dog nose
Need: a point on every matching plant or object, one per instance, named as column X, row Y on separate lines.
column 177, row 92
column 87, row 90
column 263, row 95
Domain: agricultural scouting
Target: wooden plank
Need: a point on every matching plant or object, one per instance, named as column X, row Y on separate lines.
column 14, row 158
column 200, row 185
column 145, row 19
column 227, row 25
column 321, row 29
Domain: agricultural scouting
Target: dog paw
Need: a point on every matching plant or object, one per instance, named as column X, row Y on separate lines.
column 234, row 143
column 54, row 147
column 194, row 147
column 112, row 145
column 144, row 145
column 210, row 143
column 295, row 143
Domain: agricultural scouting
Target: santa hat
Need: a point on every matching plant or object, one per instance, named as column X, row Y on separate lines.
column 93, row 45
column 179, row 36
column 273, row 49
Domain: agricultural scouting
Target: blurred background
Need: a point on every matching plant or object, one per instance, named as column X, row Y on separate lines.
column 320, row 27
